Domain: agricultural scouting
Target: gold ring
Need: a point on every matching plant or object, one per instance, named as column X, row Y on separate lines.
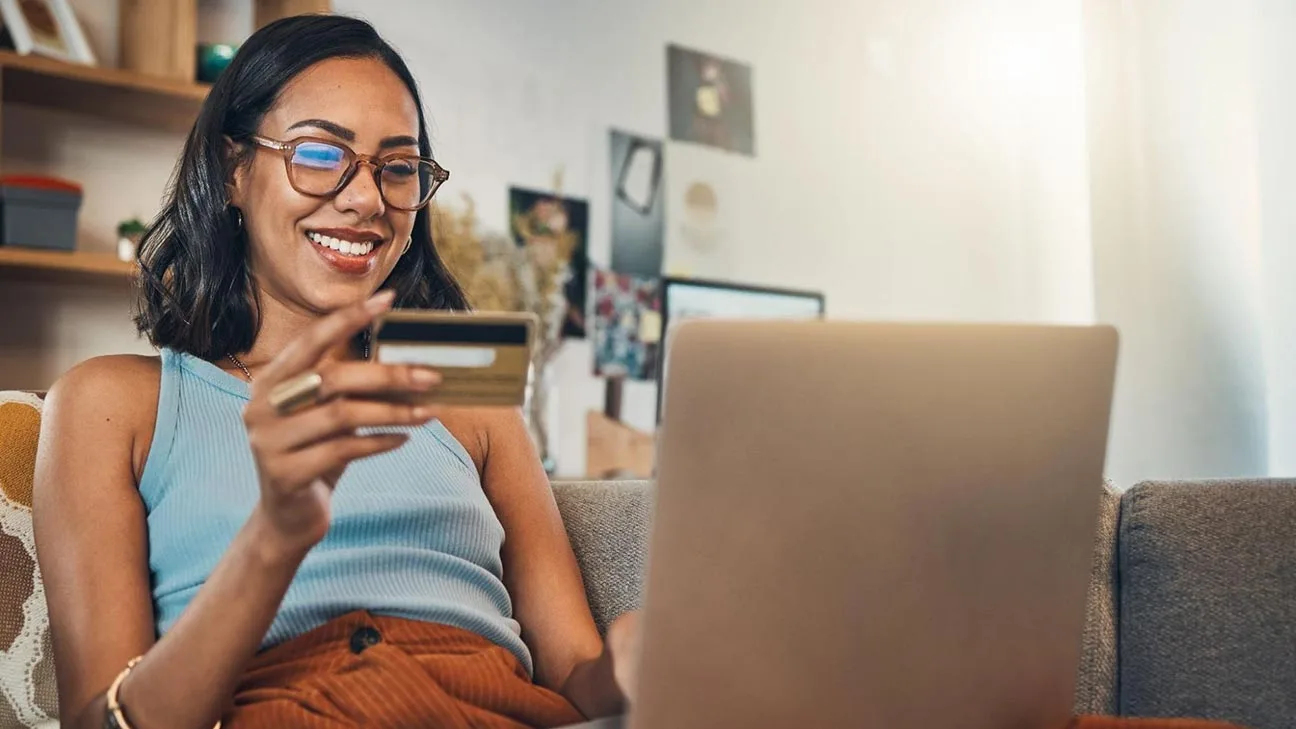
column 292, row 395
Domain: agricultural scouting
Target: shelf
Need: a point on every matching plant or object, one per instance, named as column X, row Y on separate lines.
column 106, row 92
column 34, row 264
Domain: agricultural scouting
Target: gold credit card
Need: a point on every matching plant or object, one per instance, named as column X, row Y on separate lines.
column 484, row 358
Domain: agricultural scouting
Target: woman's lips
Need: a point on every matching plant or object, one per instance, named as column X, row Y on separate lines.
column 346, row 256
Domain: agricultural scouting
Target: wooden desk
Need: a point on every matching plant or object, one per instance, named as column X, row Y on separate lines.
column 615, row 450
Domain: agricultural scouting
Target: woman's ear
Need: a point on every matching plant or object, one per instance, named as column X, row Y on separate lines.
column 236, row 180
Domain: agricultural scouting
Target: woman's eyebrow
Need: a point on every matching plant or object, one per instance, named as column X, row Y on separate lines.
column 341, row 132
column 400, row 140
column 336, row 130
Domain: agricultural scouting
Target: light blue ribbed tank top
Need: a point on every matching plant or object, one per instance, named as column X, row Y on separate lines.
column 412, row 534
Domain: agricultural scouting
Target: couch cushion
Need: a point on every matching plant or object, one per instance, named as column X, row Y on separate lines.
column 607, row 523
column 28, row 695
column 1208, row 601
column 1096, row 684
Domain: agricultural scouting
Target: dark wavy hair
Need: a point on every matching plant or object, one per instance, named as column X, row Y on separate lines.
column 196, row 290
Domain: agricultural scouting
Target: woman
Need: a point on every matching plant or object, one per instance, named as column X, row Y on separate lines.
column 350, row 562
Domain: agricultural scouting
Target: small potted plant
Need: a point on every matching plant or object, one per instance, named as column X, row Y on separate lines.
column 129, row 233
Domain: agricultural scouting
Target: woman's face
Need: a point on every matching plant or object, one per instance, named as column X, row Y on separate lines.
column 294, row 239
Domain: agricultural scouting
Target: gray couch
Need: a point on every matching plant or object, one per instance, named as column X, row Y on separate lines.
column 1191, row 610
column 1192, row 601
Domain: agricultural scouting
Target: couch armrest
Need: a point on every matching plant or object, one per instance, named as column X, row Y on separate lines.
column 608, row 524
column 1096, row 683
column 1208, row 601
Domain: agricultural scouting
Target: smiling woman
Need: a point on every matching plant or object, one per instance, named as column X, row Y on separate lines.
column 313, row 106
column 198, row 564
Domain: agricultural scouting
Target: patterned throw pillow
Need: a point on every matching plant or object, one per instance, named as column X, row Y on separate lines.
column 27, row 690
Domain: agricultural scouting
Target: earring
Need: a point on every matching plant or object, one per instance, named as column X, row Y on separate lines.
column 238, row 218
column 408, row 242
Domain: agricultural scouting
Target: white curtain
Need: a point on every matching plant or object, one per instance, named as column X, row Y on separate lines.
column 1192, row 143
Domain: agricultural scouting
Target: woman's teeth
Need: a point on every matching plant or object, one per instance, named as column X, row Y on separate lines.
column 346, row 247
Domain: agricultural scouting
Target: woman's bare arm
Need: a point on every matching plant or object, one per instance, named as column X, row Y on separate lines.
column 92, row 542
column 541, row 572
column 91, row 532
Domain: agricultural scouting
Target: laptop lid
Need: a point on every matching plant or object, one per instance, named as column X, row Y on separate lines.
column 873, row 525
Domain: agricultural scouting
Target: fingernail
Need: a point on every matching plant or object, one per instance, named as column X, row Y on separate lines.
column 422, row 413
column 380, row 302
column 424, row 378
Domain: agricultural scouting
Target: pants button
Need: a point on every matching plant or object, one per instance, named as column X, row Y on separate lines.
column 363, row 638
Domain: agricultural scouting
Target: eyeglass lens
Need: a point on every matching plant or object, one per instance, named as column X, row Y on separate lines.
column 318, row 168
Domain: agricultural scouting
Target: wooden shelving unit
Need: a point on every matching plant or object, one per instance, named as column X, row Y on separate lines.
column 147, row 101
column 111, row 93
column 151, row 93
column 34, row 264
column 105, row 92
column 143, row 100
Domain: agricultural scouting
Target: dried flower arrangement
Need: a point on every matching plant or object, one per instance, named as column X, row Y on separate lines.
column 499, row 275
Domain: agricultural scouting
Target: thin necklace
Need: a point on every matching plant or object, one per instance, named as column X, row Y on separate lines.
column 239, row 364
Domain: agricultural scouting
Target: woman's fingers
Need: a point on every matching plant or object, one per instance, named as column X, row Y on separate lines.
column 301, row 468
column 338, row 419
column 304, row 352
column 349, row 379
column 300, row 456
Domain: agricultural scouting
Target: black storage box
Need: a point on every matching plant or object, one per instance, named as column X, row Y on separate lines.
column 39, row 212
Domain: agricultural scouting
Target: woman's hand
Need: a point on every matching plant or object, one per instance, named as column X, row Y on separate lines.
column 301, row 456
column 623, row 642
column 605, row 685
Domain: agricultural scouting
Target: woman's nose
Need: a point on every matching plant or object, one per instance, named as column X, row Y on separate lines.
column 362, row 193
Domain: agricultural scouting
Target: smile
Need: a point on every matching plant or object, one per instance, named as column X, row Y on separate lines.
column 357, row 249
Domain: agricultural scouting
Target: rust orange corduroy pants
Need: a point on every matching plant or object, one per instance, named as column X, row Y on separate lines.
column 360, row 670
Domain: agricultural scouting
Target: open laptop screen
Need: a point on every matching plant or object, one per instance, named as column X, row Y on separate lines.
column 684, row 298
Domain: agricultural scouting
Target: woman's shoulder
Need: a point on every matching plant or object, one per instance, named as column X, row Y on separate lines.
column 476, row 428
column 110, row 397
column 123, row 377
column 468, row 426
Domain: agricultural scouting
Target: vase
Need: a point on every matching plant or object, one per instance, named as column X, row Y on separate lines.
column 536, row 411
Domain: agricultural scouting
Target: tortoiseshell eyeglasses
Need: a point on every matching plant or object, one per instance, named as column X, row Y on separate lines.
column 322, row 168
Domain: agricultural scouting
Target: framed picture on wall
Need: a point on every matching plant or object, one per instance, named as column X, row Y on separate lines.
column 46, row 28
column 710, row 100
column 560, row 226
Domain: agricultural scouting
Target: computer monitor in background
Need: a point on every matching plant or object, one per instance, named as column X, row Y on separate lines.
column 685, row 298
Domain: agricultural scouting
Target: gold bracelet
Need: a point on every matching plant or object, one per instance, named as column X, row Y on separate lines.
column 115, row 713
column 118, row 719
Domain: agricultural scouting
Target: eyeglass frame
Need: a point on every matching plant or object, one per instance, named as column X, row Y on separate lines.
column 287, row 149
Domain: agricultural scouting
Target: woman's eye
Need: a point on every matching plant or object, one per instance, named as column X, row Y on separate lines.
column 400, row 169
column 318, row 156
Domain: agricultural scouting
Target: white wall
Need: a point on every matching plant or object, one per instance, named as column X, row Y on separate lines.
column 1276, row 116
column 917, row 160
column 1176, row 234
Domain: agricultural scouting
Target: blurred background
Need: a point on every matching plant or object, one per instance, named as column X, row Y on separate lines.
column 1052, row 161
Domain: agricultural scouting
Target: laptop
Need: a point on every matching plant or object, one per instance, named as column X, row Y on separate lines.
column 866, row 525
